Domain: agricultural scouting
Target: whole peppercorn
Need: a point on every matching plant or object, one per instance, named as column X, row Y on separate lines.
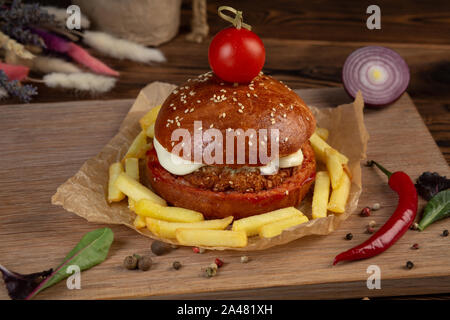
column 214, row 266
column 210, row 272
column 414, row 226
column 244, row 259
column 176, row 265
column 445, row 233
column 145, row 263
column 415, row 246
column 159, row 248
column 409, row 265
column 130, row 262
column 365, row 212
column 376, row 206
column 218, row 262
column 370, row 229
column 349, row 236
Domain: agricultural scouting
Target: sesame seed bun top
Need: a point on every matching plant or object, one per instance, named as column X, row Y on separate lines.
column 264, row 103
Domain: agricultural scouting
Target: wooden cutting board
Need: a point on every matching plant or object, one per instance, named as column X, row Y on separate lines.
column 44, row 144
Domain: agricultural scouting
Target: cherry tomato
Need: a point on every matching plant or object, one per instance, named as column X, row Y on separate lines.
column 236, row 55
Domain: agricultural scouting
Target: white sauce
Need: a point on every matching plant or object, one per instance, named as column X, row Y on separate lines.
column 179, row 166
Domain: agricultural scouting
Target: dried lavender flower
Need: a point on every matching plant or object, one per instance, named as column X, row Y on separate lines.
column 14, row 88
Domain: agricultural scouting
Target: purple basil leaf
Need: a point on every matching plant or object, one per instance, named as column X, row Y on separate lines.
column 19, row 286
column 429, row 184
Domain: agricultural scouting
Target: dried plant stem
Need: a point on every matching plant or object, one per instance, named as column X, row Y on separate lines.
column 12, row 45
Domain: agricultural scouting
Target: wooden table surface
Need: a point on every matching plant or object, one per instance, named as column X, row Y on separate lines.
column 306, row 45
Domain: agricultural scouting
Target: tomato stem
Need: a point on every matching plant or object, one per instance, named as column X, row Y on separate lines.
column 237, row 20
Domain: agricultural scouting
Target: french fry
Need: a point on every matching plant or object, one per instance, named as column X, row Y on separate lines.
column 319, row 146
column 139, row 222
column 149, row 118
column 167, row 229
column 211, row 238
column 347, row 171
column 138, row 147
column 132, row 170
column 136, row 191
column 148, row 208
column 150, row 132
column 334, row 166
column 114, row 194
column 276, row 228
column 339, row 196
column 251, row 225
column 323, row 133
column 320, row 195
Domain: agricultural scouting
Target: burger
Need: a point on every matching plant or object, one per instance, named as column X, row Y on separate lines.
column 228, row 149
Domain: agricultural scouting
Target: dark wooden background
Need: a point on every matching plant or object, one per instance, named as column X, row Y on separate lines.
column 307, row 43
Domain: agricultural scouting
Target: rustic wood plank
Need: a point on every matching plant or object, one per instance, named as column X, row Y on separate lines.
column 42, row 146
column 300, row 64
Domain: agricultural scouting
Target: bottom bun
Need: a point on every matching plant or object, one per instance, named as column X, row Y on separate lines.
column 179, row 192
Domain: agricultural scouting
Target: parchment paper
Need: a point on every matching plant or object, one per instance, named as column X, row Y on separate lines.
column 85, row 193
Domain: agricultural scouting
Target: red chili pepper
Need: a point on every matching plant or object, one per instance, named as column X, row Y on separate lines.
column 397, row 224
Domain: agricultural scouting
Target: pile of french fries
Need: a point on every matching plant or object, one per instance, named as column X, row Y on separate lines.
column 190, row 228
column 337, row 175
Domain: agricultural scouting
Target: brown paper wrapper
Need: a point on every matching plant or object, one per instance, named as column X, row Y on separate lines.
column 85, row 193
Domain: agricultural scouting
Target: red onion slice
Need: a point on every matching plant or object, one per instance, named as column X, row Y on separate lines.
column 380, row 73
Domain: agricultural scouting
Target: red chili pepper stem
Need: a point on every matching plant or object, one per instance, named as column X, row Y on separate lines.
column 386, row 172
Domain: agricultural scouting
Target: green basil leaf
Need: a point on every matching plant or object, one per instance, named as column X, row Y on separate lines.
column 90, row 251
column 437, row 208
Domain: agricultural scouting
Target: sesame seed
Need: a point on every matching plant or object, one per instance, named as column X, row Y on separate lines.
column 284, row 115
column 171, row 105
column 292, row 107
column 198, row 101
column 192, row 110
column 248, row 94
column 174, row 108
column 255, row 95
column 281, row 105
column 173, row 143
column 274, row 109
column 223, row 90
column 286, row 192
column 251, row 88
column 186, row 111
column 240, row 111
column 234, row 99
column 212, row 125
column 286, row 139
